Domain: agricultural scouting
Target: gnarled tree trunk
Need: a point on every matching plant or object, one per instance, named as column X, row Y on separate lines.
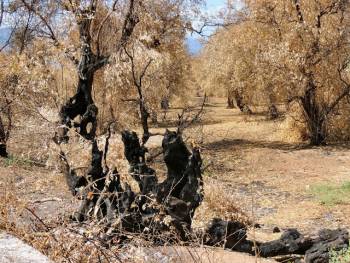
column 161, row 208
column 82, row 104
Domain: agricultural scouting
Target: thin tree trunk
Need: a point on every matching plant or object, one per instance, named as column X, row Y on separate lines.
column 3, row 148
column 82, row 104
column 272, row 113
column 314, row 116
column 144, row 120
column 230, row 104
column 164, row 103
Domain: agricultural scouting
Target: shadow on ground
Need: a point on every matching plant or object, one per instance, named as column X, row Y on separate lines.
column 243, row 144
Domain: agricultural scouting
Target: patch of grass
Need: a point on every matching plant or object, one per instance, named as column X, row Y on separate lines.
column 14, row 160
column 332, row 194
column 342, row 256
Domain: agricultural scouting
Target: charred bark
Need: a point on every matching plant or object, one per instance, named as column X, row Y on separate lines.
column 139, row 170
column 164, row 104
column 233, row 235
column 3, row 148
column 314, row 116
column 101, row 192
column 230, row 103
column 104, row 198
column 73, row 181
column 230, row 100
column 291, row 242
column 184, row 179
column 181, row 192
column 272, row 112
column 82, row 104
column 228, row 234
column 144, row 120
column 315, row 249
column 166, row 209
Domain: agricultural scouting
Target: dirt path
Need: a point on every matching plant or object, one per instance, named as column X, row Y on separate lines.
column 276, row 177
column 43, row 191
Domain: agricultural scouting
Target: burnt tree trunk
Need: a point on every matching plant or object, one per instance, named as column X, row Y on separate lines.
column 230, row 100
column 272, row 112
column 241, row 105
column 144, row 118
column 230, row 104
column 154, row 117
column 164, row 104
column 82, row 104
column 314, row 116
column 233, row 235
column 163, row 209
column 3, row 148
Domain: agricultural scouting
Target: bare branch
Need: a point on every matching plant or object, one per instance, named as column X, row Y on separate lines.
column 43, row 19
column 130, row 22
column 101, row 26
column 184, row 122
column 2, row 11
column 342, row 95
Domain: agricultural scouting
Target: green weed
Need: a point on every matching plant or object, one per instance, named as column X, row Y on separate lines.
column 332, row 194
column 341, row 256
column 14, row 160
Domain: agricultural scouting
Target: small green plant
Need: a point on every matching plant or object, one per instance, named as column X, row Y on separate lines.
column 341, row 256
column 13, row 160
column 332, row 194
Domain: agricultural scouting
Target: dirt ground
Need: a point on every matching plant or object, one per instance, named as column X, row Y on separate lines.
column 268, row 179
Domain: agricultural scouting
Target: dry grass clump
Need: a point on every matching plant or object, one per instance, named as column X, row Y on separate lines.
column 32, row 135
column 218, row 203
column 293, row 128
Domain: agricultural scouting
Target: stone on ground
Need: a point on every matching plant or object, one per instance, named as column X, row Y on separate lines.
column 13, row 250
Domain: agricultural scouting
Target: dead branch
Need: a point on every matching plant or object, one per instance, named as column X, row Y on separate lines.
column 185, row 121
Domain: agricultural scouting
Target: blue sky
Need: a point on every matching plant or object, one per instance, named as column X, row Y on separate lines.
column 215, row 4
column 212, row 6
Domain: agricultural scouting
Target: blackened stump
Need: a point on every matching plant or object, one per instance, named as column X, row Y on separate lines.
column 3, row 151
column 230, row 234
column 176, row 158
column 327, row 240
column 139, row 170
column 3, row 139
column 291, row 242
